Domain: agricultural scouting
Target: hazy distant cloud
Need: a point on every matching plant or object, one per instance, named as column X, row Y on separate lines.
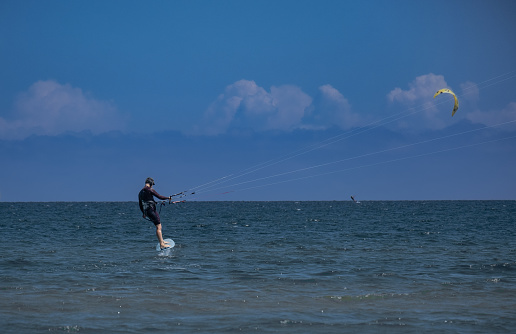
column 50, row 108
column 245, row 105
column 495, row 117
column 470, row 91
column 468, row 98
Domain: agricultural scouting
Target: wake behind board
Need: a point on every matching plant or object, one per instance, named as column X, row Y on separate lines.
column 170, row 242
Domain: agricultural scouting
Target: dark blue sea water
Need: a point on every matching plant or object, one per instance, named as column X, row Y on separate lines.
column 282, row 267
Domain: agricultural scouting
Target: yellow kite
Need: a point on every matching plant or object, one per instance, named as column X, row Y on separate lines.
column 446, row 90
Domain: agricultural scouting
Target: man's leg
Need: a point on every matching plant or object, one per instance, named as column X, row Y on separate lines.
column 154, row 217
column 162, row 243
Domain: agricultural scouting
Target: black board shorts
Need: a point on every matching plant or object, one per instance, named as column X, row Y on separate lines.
column 153, row 216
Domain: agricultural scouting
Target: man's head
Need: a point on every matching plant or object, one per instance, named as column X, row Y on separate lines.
column 150, row 181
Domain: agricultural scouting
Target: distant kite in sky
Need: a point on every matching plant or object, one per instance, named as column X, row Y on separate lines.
column 446, row 90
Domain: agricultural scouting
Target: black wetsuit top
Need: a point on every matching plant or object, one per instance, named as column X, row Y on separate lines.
column 147, row 204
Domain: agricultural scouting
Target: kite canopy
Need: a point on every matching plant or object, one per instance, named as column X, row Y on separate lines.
column 446, row 90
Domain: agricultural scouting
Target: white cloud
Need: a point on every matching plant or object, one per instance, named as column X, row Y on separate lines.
column 436, row 114
column 421, row 88
column 49, row 108
column 291, row 103
column 420, row 96
column 331, row 108
column 245, row 105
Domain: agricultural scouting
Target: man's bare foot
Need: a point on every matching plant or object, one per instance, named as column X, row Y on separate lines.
column 164, row 245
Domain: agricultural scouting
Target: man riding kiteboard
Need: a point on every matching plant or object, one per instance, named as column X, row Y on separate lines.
column 148, row 207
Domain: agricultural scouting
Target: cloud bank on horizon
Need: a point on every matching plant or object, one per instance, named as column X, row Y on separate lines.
column 50, row 108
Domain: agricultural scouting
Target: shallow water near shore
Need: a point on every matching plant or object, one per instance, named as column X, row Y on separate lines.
column 313, row 267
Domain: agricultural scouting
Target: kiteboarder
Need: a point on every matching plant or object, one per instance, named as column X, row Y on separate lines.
column 148, row 207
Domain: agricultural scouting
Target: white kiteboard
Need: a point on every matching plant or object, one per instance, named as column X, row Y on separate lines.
column 170, row 243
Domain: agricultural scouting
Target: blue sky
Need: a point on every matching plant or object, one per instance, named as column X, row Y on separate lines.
column 257, row 100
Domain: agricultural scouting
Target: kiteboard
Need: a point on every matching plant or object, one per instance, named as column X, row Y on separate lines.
column 170, row 243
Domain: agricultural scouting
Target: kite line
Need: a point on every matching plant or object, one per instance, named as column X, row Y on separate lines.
column 224, row 182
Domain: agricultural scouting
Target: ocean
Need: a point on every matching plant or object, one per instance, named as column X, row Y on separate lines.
column 264, row 267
